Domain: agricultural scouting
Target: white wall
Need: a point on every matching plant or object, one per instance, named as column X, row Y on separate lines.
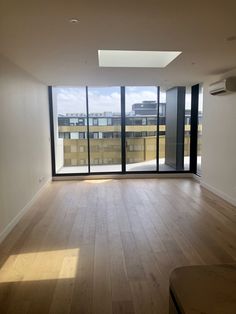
column 219, row 142
column 24, row 141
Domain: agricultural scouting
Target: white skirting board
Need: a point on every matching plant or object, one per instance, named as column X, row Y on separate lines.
column 219, row 193
column 22, row 212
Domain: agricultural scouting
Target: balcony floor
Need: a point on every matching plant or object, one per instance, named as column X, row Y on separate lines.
column 141, row 166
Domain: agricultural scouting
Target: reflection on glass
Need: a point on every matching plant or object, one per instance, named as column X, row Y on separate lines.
column 71, row 148
column 141, row 128
column 104, row 129
column 199, row 140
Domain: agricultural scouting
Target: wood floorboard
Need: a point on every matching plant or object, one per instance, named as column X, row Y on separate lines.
column 109, row 246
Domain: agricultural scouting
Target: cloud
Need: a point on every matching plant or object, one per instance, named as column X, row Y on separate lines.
column 100, row 102
column 105, row 99
column 70, row 100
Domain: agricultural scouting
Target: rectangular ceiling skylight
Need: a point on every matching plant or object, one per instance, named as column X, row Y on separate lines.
column 136, row 59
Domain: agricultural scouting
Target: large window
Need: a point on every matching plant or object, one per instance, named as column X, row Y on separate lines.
column 105, row 139
column 199, row 134
column 187, row 128
column 70, row 130
column 122, row 129
column 141, row 128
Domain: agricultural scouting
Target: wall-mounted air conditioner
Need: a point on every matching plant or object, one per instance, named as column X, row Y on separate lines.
column 222, row 87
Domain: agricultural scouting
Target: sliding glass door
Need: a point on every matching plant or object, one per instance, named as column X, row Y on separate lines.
column 70, row 130
column 104, row 129
column 141, row 128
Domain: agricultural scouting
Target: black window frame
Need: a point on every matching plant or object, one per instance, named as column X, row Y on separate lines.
column 159, row 121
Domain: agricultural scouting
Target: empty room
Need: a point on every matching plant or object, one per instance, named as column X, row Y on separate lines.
column 117, row 157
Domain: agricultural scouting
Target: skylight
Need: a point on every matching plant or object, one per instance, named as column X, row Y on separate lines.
column 136, row 59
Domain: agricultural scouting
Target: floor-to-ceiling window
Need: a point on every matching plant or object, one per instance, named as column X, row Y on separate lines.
column 70, row 129
column 162, row 130
column 141, row 128
column 187, row 128
column 97, row 130
column 199, row 134
column 104, row 105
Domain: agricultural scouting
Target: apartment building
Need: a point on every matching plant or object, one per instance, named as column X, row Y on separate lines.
column 103, row 131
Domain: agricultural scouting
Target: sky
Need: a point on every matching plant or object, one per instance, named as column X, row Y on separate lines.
column 102, row 99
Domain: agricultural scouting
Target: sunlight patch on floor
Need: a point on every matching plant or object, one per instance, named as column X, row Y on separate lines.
column 98, row 181
column 48, row 265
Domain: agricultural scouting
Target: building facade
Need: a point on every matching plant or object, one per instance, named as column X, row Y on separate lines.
column 105, row 135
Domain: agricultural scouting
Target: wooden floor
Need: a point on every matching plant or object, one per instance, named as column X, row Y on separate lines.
column 108, row 246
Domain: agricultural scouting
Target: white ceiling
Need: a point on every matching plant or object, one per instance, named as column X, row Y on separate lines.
column 37, row 36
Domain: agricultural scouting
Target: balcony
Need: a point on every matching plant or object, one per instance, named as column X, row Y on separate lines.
column 105, row 155
column 142, row 166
